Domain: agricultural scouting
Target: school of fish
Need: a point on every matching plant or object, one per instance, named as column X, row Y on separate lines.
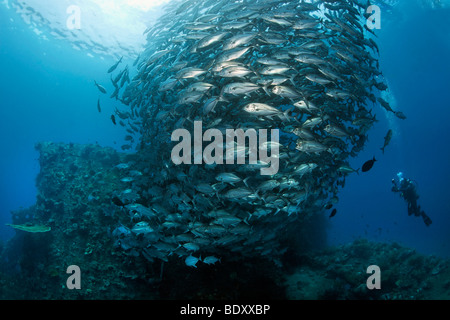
column 307, row 68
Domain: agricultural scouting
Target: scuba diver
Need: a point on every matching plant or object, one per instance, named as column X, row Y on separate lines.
column 408, row 192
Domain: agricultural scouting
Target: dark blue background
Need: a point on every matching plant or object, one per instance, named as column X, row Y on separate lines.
column 415, row 52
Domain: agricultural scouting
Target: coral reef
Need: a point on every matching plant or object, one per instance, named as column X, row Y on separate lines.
column 341, row 273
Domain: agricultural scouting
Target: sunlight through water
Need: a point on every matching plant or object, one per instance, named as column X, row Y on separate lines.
column 106, row 27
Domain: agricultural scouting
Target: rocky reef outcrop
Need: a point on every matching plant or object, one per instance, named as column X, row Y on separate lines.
column 338, row 273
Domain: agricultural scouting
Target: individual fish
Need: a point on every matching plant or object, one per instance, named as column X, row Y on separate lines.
column 311, row 147
column 191, row 246
column 140, row 209
column 190, row 97
column 137, row 60
column 238, row 193
column 304, row 133
column 142, row 228
column 200, row 87
column 261, row 212
column 387, row 139
column 205, row 188
column 304, row 24
column 336, row 131
column 100, row 87
column 150, row 253
column 211, row 104
column 338, row 94
column 227, row 221
column 167, row 85
column 122, row 115
column 303, row 169
column 211, row 39
column 275, row 80
column 157, row 55
column 268, row 185
column 115, row 94
column 31, row 228
column 238, row 40
column 345, row 169
column 380, row 86
column 99, row 108
column 328, row 72
column 177, row 66
column 276, row 21
column 288, row 183
column 210, row 260
column 318, row 79
column 208, row 18
column 269, row 145
column 309, row 59
column 199, row 26
column 228, row 178
column 261, row 109
column 333, row 213
column 125, row 78
column 273, row 38
column 190, row 72
column 368, row 165
column 240, row 88
column 116, row 80
column 400, row 115
column 235, row 72
column 275, row 69
column 135, row 173
column 233, row 54
column 286, row 92
column 192, row 261
column 217, row 67
column 168, row 248
column 113, row 119
column 306, row 105
column 235, row 25
column 385, row 105
column 270, row 61
column 123, row 166
column 114, row 67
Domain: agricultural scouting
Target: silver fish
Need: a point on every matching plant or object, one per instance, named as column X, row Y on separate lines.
column 238, row 40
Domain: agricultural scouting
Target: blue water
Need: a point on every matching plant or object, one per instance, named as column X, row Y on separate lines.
column 415, row 51
column 47, row 94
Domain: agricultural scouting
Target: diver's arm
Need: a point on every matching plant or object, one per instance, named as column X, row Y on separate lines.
column 394, row 187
